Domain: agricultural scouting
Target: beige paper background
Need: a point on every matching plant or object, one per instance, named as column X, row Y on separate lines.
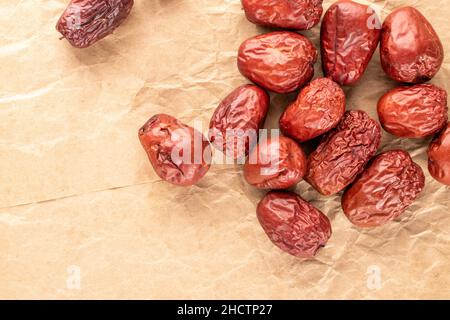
column 76, row 188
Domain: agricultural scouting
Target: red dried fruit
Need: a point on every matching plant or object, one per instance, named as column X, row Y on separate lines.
column 178, row 153
column 289, row 14
column 349, row 35
column 275, row 163
column 411, row 50
column 318, row 109
column 278, row 61
column 343, row 153
column 439, row 156
column 389, row 185
column 413, row 112
column 293, row 224
column 235, row 123
column 84, row 22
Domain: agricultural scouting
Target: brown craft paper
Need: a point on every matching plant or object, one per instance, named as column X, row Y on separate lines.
column 83, row 215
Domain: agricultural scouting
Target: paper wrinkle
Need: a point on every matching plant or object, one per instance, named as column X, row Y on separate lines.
column 77, row 189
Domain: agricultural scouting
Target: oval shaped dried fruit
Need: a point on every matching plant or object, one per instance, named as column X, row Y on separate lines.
column 389, row 185
column 275, row 163
column 289, row 14
column 410, row 50
column 178, row 153
column 293, row 224
column 413, row 112
column 343, row 153
column 318, row 109
column 278, row 61
column 235, row 123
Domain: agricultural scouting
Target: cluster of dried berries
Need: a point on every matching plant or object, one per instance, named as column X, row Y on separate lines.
column 376, row 189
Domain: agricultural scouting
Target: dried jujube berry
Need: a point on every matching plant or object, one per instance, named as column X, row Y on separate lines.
column 389, row 185
column 178, row 153
column 349, row 36
column 414, row 112
column 275, row 163
column 85, row 22
column 439, row 156
column 293, row 224
column 289, row 14
column 235, row 123
column 318, row 109
column 343, row 153
column 410, row 49
column 281, row 61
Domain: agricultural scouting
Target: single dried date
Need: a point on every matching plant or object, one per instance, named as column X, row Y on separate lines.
column 410, row 50
column 343, row 153
column 389, row 185
column 275, row 163
column 178, row 153
column 235, row 123
column 289, row 14
column 318, row 109
column 414, row 112
column 281, row 61
column 439, row 156
column 293, row 224
column 349, row 35
column 85, row 22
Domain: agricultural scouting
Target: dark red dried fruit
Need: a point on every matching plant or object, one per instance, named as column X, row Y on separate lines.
column 178, row 153
column 343, row 153
column 349, row 35
column 84, row 22
column 439, row 157
column 235, row 123
column 293, row 224
column 289, row 14
column 278, row 61
column 411, row 50
column 318, row 109
column 389, row 185
column 414, row 112
column 275, row 163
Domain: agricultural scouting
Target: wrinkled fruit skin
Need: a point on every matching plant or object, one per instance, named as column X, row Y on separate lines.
column 317, row 110
column 84, row 22
column 275, row 163
column 293, row 224
column 281, row 62
column 343, row 153
column 288, row 14
column 414, row 112
column 439, row 157
column 389, row 185
column 244, row 110
column 178, row 153
column 410, row 50
column 349, row 36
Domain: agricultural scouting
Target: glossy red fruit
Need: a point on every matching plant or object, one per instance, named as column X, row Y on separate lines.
column 293, row 224
column 343, row 153
column 84, row 22
column 414, row 112
column 276, row 163
column 349, row 35
column 178, row 153
column 289, row 14
column 235, row 123
column 411, row 50
column 278, row 61
column 389, row 185
column 318, row 109
column 439, row 156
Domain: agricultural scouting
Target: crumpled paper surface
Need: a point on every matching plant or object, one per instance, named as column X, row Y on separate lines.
column 83, row 215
